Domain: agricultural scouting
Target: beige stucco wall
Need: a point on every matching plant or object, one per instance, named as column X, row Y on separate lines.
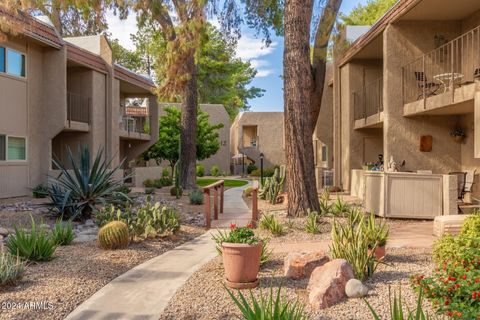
column 271, row 137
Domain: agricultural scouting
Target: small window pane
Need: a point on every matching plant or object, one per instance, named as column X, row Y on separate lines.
column 16, row 148
column 324, row 153
column 15, row 63
column 2, row 59
column 2, row 148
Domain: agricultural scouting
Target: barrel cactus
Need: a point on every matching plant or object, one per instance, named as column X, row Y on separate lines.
column 113, row 235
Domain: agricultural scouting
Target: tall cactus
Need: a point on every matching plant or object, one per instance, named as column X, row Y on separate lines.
column 176, row 177
column 273, row 185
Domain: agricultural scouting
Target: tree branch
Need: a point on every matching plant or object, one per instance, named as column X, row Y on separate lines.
column 320, row 50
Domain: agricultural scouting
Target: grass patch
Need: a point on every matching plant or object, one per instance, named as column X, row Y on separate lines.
column 229, row 183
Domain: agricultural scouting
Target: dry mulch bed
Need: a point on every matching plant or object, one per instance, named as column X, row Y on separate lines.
column 203, row 296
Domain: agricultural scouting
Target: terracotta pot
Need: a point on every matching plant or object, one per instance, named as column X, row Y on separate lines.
column 241, row 263
column 379, row 252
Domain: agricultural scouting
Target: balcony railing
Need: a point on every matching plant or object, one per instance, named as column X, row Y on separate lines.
column 444, row 69
column 78, row 107
column 369, row 100
column 137, row 122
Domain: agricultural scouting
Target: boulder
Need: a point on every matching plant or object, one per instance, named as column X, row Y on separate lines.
column 355, row 289
column 299, row 265
column 327, row 283
column 4, row 232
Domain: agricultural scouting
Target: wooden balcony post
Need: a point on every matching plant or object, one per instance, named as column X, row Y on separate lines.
column 222, row 191
column 215, row 203
column 206, row 198
column 254, row 206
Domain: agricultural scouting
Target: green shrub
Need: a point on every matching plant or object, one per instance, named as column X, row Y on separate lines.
column 158, row 183
column 176, row 192
column 471, row 226
column 376, row 233
column 267, row 172
column 215, row 171
column 124, row 189
column 40, row 191
column 149, row 190
column 77, row 191
column 251, row 167
column 349, row 242
column 340, row 207
column 165, row 173
column 167, row 181
column 114, row 235
column 196, row 196
column 270, row 222
column 313, row 224
column 11, row 269
column 149, row 183
column 200, row 170
column 247, row 192
column 400, row 311
column 35, row 245
column 62, row 233
column 271, row 307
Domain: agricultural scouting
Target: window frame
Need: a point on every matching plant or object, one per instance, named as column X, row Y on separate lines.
column 6, row 73
column 7, row 137
column 4, row 59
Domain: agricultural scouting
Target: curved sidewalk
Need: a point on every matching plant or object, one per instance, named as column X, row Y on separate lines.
column 144, row 291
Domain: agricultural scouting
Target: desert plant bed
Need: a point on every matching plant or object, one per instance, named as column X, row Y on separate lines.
column 189, row 302
column 77, row 272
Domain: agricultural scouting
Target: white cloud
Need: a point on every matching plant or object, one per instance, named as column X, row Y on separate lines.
column 262, row 73
column 122, row 29
column 251, row 48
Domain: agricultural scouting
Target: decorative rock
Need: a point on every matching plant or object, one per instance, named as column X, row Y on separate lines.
column 327, row 283
column 299, row 265
column 355, row 289
column 89, row 222
column 4, row 232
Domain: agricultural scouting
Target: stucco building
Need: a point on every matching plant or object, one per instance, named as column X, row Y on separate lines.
column 400, row 91
column 254, row 133
column 66, row 92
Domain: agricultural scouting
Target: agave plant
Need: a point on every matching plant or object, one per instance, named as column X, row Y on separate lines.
column 76, row 192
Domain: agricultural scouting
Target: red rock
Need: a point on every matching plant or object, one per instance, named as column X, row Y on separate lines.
column 299, row 265
column 327, row 283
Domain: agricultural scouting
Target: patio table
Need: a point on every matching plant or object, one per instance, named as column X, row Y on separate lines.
column 448, row 79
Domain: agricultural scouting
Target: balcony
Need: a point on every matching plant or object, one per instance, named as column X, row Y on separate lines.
column 368, row 105
column 135, row 123
column 443, row 81
column 78, row 112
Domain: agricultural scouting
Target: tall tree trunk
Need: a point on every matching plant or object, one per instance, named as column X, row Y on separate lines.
column 188, row 145
column 299, row 85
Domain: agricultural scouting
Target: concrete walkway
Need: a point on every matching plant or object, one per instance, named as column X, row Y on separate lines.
column 144, row 291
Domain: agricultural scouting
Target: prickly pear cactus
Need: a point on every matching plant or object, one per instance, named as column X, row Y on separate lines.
column 113, row 235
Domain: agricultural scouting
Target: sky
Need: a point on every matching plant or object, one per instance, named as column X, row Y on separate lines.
column 267, row 60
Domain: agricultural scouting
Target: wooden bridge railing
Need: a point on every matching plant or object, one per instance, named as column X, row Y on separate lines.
column 255, row 206
column 218, row 199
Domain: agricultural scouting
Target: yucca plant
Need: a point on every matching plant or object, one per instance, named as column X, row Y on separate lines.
column 340, row 207
column 313, row 224
column 397, row 306
column 268, row 307
column 76, row 192
column 271, row 223
column 11, row 268
column 34, row 245
column 62, row 233
column 376, row 233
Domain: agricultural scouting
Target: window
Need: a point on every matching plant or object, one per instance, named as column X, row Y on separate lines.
column 16, row 149
column 15, row 63
column 2, row 59
column 3, row 155
column 324, row 153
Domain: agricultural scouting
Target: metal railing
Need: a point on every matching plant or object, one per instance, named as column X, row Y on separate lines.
column 444, row 69
column 369, row 100
column 136, row 124
column 78, row 107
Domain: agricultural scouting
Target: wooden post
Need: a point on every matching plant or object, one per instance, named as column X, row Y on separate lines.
column 254, row 206
column 215, row 203
column 222, row 190
column 206, row 197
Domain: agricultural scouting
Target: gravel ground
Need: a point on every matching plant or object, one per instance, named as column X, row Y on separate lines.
column 204, row 298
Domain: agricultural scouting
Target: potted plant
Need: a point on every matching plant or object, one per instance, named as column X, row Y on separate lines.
column 241, row 252
column 377, row 235
column 458, row 134
column 368, row 166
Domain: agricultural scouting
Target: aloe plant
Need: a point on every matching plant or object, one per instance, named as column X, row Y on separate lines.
column 76, row 192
